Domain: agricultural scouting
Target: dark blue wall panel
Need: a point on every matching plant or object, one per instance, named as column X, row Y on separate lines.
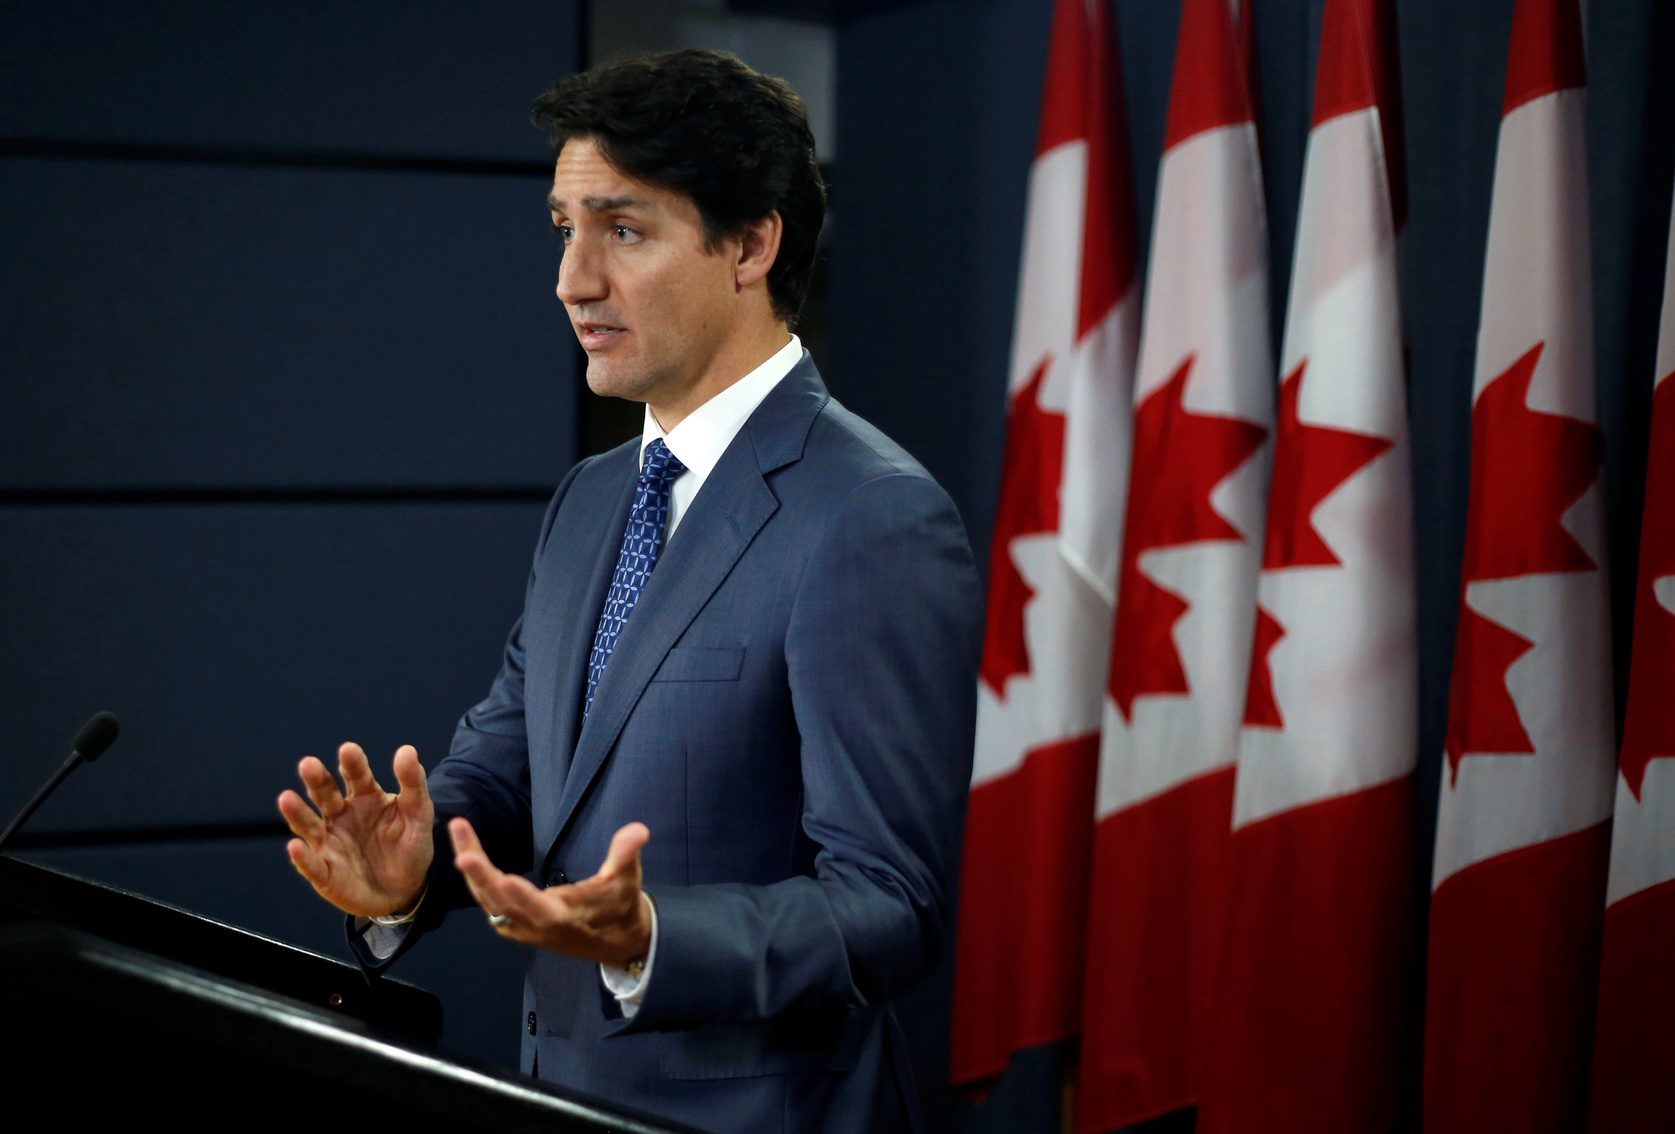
column 249, row 882
column 424, row 77
column 234, row 640
column 200, row 325
column 936, row 126
column 283, row 385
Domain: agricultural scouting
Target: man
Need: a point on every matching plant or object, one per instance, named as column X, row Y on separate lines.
column 742, row 679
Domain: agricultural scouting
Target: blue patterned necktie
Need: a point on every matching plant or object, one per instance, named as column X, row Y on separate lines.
column 641, row 542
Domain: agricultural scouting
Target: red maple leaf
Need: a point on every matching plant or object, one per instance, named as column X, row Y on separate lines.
column 1179, row 459
column 1649, row 727
column 1032, row 465
column 1310, row 462
column 1262, row 710
column 1481, row 714
column 1527, row 470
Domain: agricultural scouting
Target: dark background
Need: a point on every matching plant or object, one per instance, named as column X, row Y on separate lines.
column 283, row 385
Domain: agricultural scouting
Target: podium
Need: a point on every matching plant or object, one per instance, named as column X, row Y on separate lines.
column 114, row 1007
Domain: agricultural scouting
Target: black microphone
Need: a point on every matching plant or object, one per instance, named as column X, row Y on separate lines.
column 91, row 740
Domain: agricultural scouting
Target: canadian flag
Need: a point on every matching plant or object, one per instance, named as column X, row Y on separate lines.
column 1311, row 1018
column 1523, row 831
column 1052, row 568
column 1634, row 1045
column 1203, row 407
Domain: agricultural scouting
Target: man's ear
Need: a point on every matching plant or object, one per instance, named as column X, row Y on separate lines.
column 758, row 249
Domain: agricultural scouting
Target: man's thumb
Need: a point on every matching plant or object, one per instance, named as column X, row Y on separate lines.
column 624, row 855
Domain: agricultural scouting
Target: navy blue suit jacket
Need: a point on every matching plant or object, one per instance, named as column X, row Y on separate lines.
column 790, row 710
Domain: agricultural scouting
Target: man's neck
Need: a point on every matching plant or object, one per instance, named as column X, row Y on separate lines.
column 728, row 367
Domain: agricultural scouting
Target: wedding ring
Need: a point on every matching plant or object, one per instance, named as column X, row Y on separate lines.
column 499, row 919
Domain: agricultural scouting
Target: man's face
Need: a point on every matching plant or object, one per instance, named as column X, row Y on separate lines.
column 648, row 303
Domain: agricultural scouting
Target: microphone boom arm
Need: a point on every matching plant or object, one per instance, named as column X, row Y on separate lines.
column 98, row 734
column 39, row 798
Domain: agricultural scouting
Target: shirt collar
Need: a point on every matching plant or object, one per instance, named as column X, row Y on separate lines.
column 704, row 434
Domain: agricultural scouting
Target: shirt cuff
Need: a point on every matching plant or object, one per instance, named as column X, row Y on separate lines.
column 628, row 989
column 384, row 935
column 382, row 940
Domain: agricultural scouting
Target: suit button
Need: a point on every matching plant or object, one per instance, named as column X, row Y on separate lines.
column 532, row 1023
column 557, row 877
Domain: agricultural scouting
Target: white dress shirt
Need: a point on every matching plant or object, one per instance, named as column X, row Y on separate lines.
column 698, row 443
column 704, row 434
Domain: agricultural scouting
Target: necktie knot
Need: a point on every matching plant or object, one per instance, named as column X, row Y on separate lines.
column 660, row 468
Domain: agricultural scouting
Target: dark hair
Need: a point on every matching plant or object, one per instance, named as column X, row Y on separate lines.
column 702, row 123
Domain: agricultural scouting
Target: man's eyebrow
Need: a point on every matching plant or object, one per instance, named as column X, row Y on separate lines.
column 597, row 204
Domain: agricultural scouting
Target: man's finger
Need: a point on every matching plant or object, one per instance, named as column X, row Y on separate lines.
column 322, row 789
column 479, row 882
column 301, row 818
column 464, row 838
column 623, row 858
column 514, row 896
column 356, row 771
column 308, row 864
column 410, row 776
column 471, row 861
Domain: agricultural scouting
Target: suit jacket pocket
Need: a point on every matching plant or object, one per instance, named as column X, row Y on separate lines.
column 701, row 663
column 829, row 1039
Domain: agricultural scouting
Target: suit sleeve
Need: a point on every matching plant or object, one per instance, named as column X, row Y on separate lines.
column 484, row 779
column 881, row 651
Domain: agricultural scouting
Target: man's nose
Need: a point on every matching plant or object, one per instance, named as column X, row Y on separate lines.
column 580, row 276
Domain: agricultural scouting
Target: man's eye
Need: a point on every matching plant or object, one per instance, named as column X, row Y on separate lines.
column 624, row 234
column 564, row 232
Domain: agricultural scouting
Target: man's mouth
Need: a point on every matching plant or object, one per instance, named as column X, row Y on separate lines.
column 597, row 335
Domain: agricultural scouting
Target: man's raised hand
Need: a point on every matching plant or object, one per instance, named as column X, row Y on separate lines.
column 606, row 918
column 367, row 852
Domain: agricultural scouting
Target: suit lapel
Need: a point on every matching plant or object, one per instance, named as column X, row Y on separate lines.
column 723, row 519
column 585, row 602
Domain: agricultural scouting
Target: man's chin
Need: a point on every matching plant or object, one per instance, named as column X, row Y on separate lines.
column 610, row 379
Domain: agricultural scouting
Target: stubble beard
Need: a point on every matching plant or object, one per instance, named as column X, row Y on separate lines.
column 632, row 382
